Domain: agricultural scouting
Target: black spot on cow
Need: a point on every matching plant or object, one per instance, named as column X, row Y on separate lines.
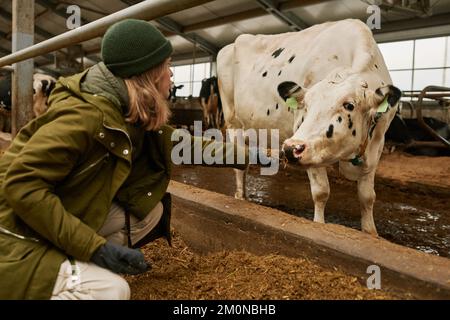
column 340, row 119
column 279, row 73
column 354, row 133
column 330, row 131
column 303, row 119
column 394, row 95
column 291, row 58
column 277, row 53
column 376, row 66
column 268, row 112
column 264, row 74
column 276, row 107
column 287, row 89
column 349, row 106
column 350, row 123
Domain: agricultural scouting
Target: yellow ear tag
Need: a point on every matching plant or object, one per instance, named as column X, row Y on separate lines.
column 292, row 103
column 383, row 107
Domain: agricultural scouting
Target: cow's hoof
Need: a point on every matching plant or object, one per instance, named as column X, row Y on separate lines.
column 373, row 233
column 239, row 196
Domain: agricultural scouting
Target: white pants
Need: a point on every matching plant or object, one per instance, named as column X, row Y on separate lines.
column 86, row 280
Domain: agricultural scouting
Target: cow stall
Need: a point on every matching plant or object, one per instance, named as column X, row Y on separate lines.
column 185, row 111
column 212, row 231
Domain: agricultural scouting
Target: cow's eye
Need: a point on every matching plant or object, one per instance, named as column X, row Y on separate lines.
column 349, row 106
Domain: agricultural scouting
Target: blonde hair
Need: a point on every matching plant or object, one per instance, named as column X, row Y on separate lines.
column 147, row 106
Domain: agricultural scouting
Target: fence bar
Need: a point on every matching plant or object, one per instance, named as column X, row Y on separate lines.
column 22, row 77
column 146, row 10
column 7, row 69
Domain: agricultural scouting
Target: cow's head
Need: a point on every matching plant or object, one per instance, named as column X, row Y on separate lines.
column 332, row 118
column 42, row 87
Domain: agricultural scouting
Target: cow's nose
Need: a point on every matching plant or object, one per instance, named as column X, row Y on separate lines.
column 293, row 151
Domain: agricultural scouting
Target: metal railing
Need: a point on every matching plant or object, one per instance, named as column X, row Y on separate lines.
column 7, row 68
column 432, row 92
column 146, row 10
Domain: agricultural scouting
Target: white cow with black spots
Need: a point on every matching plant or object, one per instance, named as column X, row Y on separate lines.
column 340, row 102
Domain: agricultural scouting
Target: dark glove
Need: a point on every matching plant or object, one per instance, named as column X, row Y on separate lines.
column 120, row 259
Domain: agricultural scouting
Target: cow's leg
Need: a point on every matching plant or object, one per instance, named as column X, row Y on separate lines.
column 240, row 175
column 366, row 194
column 320, row 190
column 240, row 184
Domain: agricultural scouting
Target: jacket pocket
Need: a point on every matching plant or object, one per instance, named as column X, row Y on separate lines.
column 12, row 250
column 93, row 165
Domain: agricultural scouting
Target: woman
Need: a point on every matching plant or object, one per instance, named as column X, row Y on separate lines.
column 71, row 177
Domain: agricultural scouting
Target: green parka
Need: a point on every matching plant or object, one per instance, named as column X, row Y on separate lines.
column 63, row 170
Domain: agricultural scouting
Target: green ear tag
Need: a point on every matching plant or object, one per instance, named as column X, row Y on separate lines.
column 292, row 103
column 383, row 107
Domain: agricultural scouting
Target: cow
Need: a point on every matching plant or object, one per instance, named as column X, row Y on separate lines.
column 211, row 103
column 173, row 92
column 328, row 92
column 409, row 135
column 42, row 86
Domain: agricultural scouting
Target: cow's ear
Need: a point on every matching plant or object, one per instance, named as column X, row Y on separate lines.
column 50, row 88
column 389, row 93
column 290, row 89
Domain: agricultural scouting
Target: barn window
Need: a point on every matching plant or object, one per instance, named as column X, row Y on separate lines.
column 415, row 64
column 191, row 76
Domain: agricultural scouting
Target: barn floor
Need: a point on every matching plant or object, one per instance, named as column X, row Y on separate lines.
column 178, row 273
column 412, row 207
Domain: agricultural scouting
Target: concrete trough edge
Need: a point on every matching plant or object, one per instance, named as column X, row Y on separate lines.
column 210, row 221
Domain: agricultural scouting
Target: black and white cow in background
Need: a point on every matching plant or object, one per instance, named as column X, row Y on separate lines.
column 405, row 132
column 211, row 103
column 42, row 86
column 173, row 91
column 336, row 82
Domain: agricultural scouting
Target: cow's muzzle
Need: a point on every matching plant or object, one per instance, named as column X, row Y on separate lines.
column 293, row 151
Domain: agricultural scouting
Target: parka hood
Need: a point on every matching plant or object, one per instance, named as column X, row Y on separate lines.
column 97, row 81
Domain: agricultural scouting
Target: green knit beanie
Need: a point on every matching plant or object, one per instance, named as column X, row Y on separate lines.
column 131, row 47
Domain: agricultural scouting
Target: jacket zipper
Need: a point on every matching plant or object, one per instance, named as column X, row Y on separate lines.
column 10, row 233
column 106, row 155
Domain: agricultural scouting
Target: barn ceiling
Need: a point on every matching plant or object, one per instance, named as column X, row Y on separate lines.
column 198, row 33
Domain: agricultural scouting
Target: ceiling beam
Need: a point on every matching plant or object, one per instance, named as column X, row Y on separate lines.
column 39, row 31
column 249, row 14
column 289, row 18
column 176, row 28
column 410, row 24
column 173, row 27
column 53, row 6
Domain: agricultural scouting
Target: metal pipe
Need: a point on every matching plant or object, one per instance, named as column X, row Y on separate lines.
column 146, row 10
column 424, row 94
column 7, row 68
column 249, row 14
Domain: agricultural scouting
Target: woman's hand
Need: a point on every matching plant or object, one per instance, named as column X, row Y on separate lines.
column 120, row 259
